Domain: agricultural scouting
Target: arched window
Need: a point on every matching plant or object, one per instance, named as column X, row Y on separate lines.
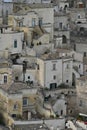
column 64, row 39
column 82, row 29
column 5, row 78
column 65, row 7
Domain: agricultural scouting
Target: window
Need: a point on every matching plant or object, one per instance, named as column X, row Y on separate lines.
column 20, row 24
column 33, row 22
column 25, row 101
column 40, row 21
column 67, row 66
column 61, row 112
column 54, row 66
column 84, row 54
column 13, row 115
column 54, row 77
column 80, row 103
column 70, row 111
column 38, row 67
column 6, row 12
column 5, row 78
column 67, row 81
column 60, row 25
column 79, row 16
column 28, row 77
column 16, row 78
column 79, row 66
column 15, row 43
column 15, row 106
column 64, row 39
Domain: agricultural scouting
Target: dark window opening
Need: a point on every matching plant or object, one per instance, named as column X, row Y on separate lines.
column 54, row 77
column 28, row 77
column 16, row 78
column 54, row 66
column 67, row 81
column 15, row 43
column 5, row 78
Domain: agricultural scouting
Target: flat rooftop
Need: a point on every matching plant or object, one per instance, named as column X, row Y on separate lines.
column 83, row 78
column 53, row 56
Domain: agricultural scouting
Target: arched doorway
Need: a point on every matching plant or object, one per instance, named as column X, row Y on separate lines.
column 65, row 7
column 64, row 39
column 82, row 29
column 25, row 115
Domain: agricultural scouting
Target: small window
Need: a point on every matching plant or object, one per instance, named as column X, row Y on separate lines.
column 80, row 103
column 15, row 43
column 54, row 66
column 40, row 21
column 67, row 66
column 79, row 66
column 70, row 111
column 6, row 12
column 54, row 77
column 60, row 25
column 61, row 112
column 33, row 22
column 16, row 78
column 28, row 77
column 67, row 81
column 20, row 24
column 38, row 67
column 13, row 115
column 5, row 78
column 15, row 106
column 79, row 16
column 84, row 54
column 25, row 101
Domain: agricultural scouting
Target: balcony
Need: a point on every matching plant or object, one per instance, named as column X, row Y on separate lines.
column 64, row 28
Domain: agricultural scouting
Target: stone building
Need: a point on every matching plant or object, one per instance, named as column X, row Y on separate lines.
column 6, row 8
column 10, row 39
column 54, row 70
column 33, row 15
column 81, row 88
column 61, row 27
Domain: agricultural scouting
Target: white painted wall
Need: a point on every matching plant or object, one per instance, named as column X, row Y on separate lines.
column 46, row 72
column 7, row 41
column 49, row 72
column 55, row 123
column 6, row 6
column 81, row 48
column 61, row 19
column 67, row 71
column 17, row 71
column 32, row 74
column 79, row 65
column 60, row 105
